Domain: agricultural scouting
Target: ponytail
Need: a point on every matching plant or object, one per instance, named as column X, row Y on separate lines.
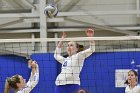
column 11, row 82
column 7, row 87
column 79, row 47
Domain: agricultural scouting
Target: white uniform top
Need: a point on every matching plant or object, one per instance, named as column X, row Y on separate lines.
column 31, row 83
column 71, row 66
column 136, row 89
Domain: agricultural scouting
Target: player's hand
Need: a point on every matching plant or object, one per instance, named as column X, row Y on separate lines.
column 32, row 63
column 63, row 35
column 90, row 32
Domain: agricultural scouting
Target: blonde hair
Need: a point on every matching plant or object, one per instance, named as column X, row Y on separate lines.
column 78, row 46
column 11, row 83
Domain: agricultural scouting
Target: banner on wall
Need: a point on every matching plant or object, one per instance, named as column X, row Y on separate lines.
column 121, row 76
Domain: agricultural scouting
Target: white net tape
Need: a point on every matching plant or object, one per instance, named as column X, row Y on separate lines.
column 72, row 39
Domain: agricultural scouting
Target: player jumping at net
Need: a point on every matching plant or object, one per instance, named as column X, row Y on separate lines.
column 132, row 82
column 18, row 83
column 68, row 80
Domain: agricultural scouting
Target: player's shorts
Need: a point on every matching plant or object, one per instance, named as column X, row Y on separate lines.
column 69, row 88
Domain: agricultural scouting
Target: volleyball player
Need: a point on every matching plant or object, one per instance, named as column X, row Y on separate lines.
column 132, row 82
column 18, row 83
column 68, row 80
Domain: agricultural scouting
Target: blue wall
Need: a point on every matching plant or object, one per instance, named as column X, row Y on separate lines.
column 97, row 76
column 11, row 65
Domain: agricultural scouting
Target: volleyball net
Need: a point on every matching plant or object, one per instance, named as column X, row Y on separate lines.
column 105, row 71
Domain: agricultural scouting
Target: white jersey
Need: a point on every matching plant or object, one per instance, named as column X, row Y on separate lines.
column 71, row 66
column 136, row 89
column 31, row 83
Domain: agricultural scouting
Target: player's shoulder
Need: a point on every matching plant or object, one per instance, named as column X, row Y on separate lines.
column 22, row 90
column 138, row 86
column 127, row 87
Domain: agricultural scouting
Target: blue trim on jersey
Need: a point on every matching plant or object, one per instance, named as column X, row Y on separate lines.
column 24, row 88
column 65, row 64
column 69, row 88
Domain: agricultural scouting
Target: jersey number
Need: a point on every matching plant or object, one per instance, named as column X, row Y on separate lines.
column 65, row 64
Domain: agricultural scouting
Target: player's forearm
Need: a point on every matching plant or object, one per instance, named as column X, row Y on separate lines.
column 33, row 81
column 92, row 42
column 60, row 44
column 33, row 70
column 92, row 45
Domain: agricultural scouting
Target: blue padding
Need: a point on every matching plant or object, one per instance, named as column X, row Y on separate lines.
column 11, row 65
column 98, row 73
column 48, row 72
column 97, row 76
